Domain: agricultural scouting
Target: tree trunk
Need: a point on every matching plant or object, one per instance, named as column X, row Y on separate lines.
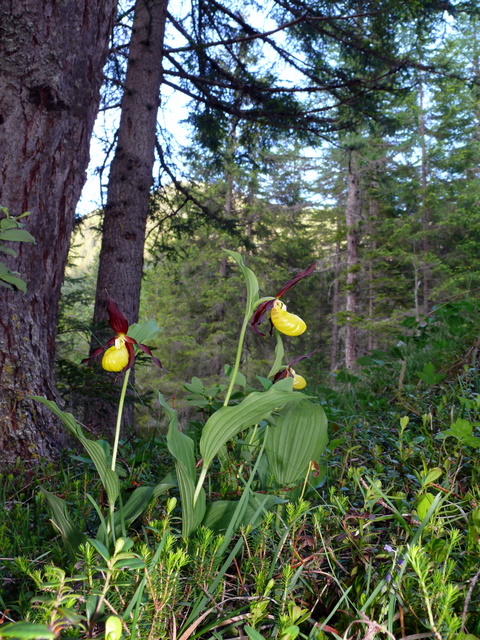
column 334, row 351
column 374, row 214
column 52, row 57
column 352, row 217
column 130, row 181
column 425, row 212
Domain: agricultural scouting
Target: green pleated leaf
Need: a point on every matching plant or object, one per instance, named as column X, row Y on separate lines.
column 183, row 450
column 300, row 435
column 72, row 537
column 219, row 514
column 67, row 418
column 108, row 477
column 227, row 422
column 94, row 449
column 27, row 630
column 250, row 279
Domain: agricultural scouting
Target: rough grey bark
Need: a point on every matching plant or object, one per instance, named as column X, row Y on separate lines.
column 352, row 217
column 130, row 181
column 52, row 55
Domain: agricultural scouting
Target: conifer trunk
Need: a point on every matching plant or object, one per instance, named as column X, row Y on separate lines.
column 130, row 182
column 52, row 57
column 374, row 212
column 334, row 350
column 352, row 218
column 425, row 213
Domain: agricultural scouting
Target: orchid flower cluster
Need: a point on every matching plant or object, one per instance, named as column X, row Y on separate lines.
column 119, row 354
column 287, row 323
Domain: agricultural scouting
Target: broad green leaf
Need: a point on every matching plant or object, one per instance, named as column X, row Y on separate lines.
column 195, row 386
column 8, row 223
column 92, row 607
column 429, row 376
column 27, row 631
column 8, row 250
column 16, row 235
column 424, row 505
column 183, row 450
column 299, row 436
column 108, row 477
column 137, row 503
column 67, row 418
column 250, row 279
column 462, row 430
column 17, row 282
column 130, row 563
column 290, row 633
column 432, row 475
column 144, row 331
column 100, row 548
column 219, row 514
column 239, row 378
column 228, row 421
column 60, row 518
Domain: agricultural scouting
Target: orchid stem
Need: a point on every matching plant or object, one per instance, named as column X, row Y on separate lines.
column 237, row 359
column 119, row 418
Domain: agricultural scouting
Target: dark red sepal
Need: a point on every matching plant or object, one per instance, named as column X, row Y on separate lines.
column 148, row 351
column 117, row 320
column 303, row 274
column 131, row 353
column 96, row 352
column 259, row 315
column 283, row 373
column 298, row 358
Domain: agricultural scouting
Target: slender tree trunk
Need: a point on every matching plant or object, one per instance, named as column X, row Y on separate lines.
column 425, row 213
column 130, row 181
column 334, row 351
column 374, row 211
column 352, row 217
column 52, row 57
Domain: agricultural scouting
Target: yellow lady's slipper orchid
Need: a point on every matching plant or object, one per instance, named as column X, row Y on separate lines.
column 285, row 322
column 299, row 381
column 119, row 354
column 116, row 358
column 280, row 318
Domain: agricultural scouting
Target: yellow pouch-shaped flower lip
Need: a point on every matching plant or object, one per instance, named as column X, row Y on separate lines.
column 285, row 322
column 267, row 304
column 299, row 381
column 121, row 355
column 115, row 358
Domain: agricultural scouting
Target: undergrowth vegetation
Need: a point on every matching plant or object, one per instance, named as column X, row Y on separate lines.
column 252, row 522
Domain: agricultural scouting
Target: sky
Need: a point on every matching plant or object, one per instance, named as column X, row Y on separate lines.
column 173, row 110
